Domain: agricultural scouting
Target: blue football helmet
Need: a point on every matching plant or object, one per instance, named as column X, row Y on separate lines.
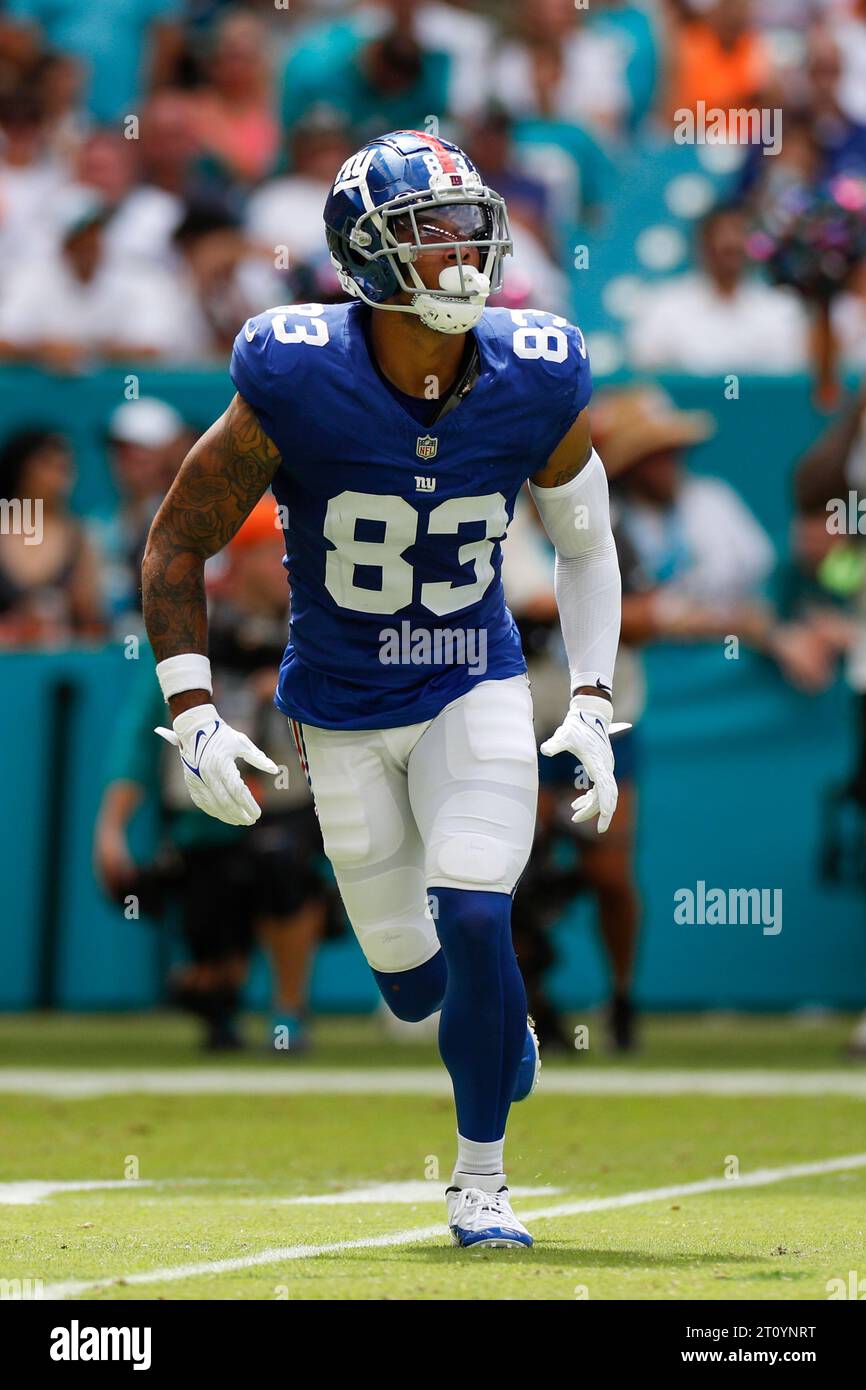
column 408, row 193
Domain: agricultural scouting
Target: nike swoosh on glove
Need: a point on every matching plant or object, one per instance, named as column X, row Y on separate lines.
column 208, row 748
column 585, row 731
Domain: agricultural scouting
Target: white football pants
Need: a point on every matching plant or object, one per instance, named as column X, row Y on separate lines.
column 449, row 802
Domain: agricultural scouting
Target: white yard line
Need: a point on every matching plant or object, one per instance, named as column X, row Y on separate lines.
column 24, row 1194
column 761, row 1177
column 284, row 1078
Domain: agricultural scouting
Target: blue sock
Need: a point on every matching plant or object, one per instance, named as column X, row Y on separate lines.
column 414, row 994
column 483, row 1027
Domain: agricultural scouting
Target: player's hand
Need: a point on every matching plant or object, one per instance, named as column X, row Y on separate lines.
column 208, row 748
column 585, row 732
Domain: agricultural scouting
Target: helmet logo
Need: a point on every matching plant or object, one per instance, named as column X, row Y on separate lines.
column 353, row 173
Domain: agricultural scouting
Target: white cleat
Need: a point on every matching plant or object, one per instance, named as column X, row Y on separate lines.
column 484, row 1220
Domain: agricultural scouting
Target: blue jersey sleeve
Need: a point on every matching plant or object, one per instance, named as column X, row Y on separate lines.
column 252, row 371
column 552, row 369
column 577, row 385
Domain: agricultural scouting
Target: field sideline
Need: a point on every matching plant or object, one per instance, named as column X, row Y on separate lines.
column 726, row 1161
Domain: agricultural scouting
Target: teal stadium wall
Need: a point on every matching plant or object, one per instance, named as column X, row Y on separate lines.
column 730, row 792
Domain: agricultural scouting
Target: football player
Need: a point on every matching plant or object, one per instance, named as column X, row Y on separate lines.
column 396, row 431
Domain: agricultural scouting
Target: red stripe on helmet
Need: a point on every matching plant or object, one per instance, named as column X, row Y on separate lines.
column 444, row 155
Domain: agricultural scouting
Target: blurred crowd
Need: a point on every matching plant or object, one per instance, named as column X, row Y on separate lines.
column 163, row 163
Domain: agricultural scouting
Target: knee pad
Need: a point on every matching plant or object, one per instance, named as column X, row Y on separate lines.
column 390, row 917
column 398, row 945
column 469, row 861
column 462, row 856
column 482, row 821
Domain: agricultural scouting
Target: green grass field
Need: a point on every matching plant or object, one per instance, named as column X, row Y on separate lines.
column 221, row 1206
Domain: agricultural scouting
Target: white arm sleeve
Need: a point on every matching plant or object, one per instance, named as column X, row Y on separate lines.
column 576, row 517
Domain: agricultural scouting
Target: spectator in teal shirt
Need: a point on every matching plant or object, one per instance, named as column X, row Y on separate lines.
column 122, row 45
column 387, row 82
column 635, row 28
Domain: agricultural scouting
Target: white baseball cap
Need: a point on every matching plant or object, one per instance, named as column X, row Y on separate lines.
column 148, row 422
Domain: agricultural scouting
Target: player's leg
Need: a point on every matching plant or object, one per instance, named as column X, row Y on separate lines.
column 216, row 915
column 608, row 864
column 284, row 849
column 473, row 786
column 289, row 941
column 358, row 780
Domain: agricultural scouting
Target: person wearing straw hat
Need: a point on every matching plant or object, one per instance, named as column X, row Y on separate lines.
column 692, row 559
column 704, row 554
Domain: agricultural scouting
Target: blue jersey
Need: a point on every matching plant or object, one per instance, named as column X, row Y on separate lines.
column 393, row 529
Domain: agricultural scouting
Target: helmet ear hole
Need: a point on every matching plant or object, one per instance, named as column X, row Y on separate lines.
column 373, row 278
column 346, row 281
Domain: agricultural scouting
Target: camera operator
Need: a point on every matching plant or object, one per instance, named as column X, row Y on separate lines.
column 233, row 886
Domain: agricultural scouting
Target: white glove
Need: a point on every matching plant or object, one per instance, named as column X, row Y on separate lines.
column 208, row 748
column 585, row 732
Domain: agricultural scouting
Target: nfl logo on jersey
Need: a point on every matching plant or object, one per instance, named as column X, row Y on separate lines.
column 426, row 446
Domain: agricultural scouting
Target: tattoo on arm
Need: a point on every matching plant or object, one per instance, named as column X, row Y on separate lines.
column 571, row 454
column 222, row 477
column 564, row 474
